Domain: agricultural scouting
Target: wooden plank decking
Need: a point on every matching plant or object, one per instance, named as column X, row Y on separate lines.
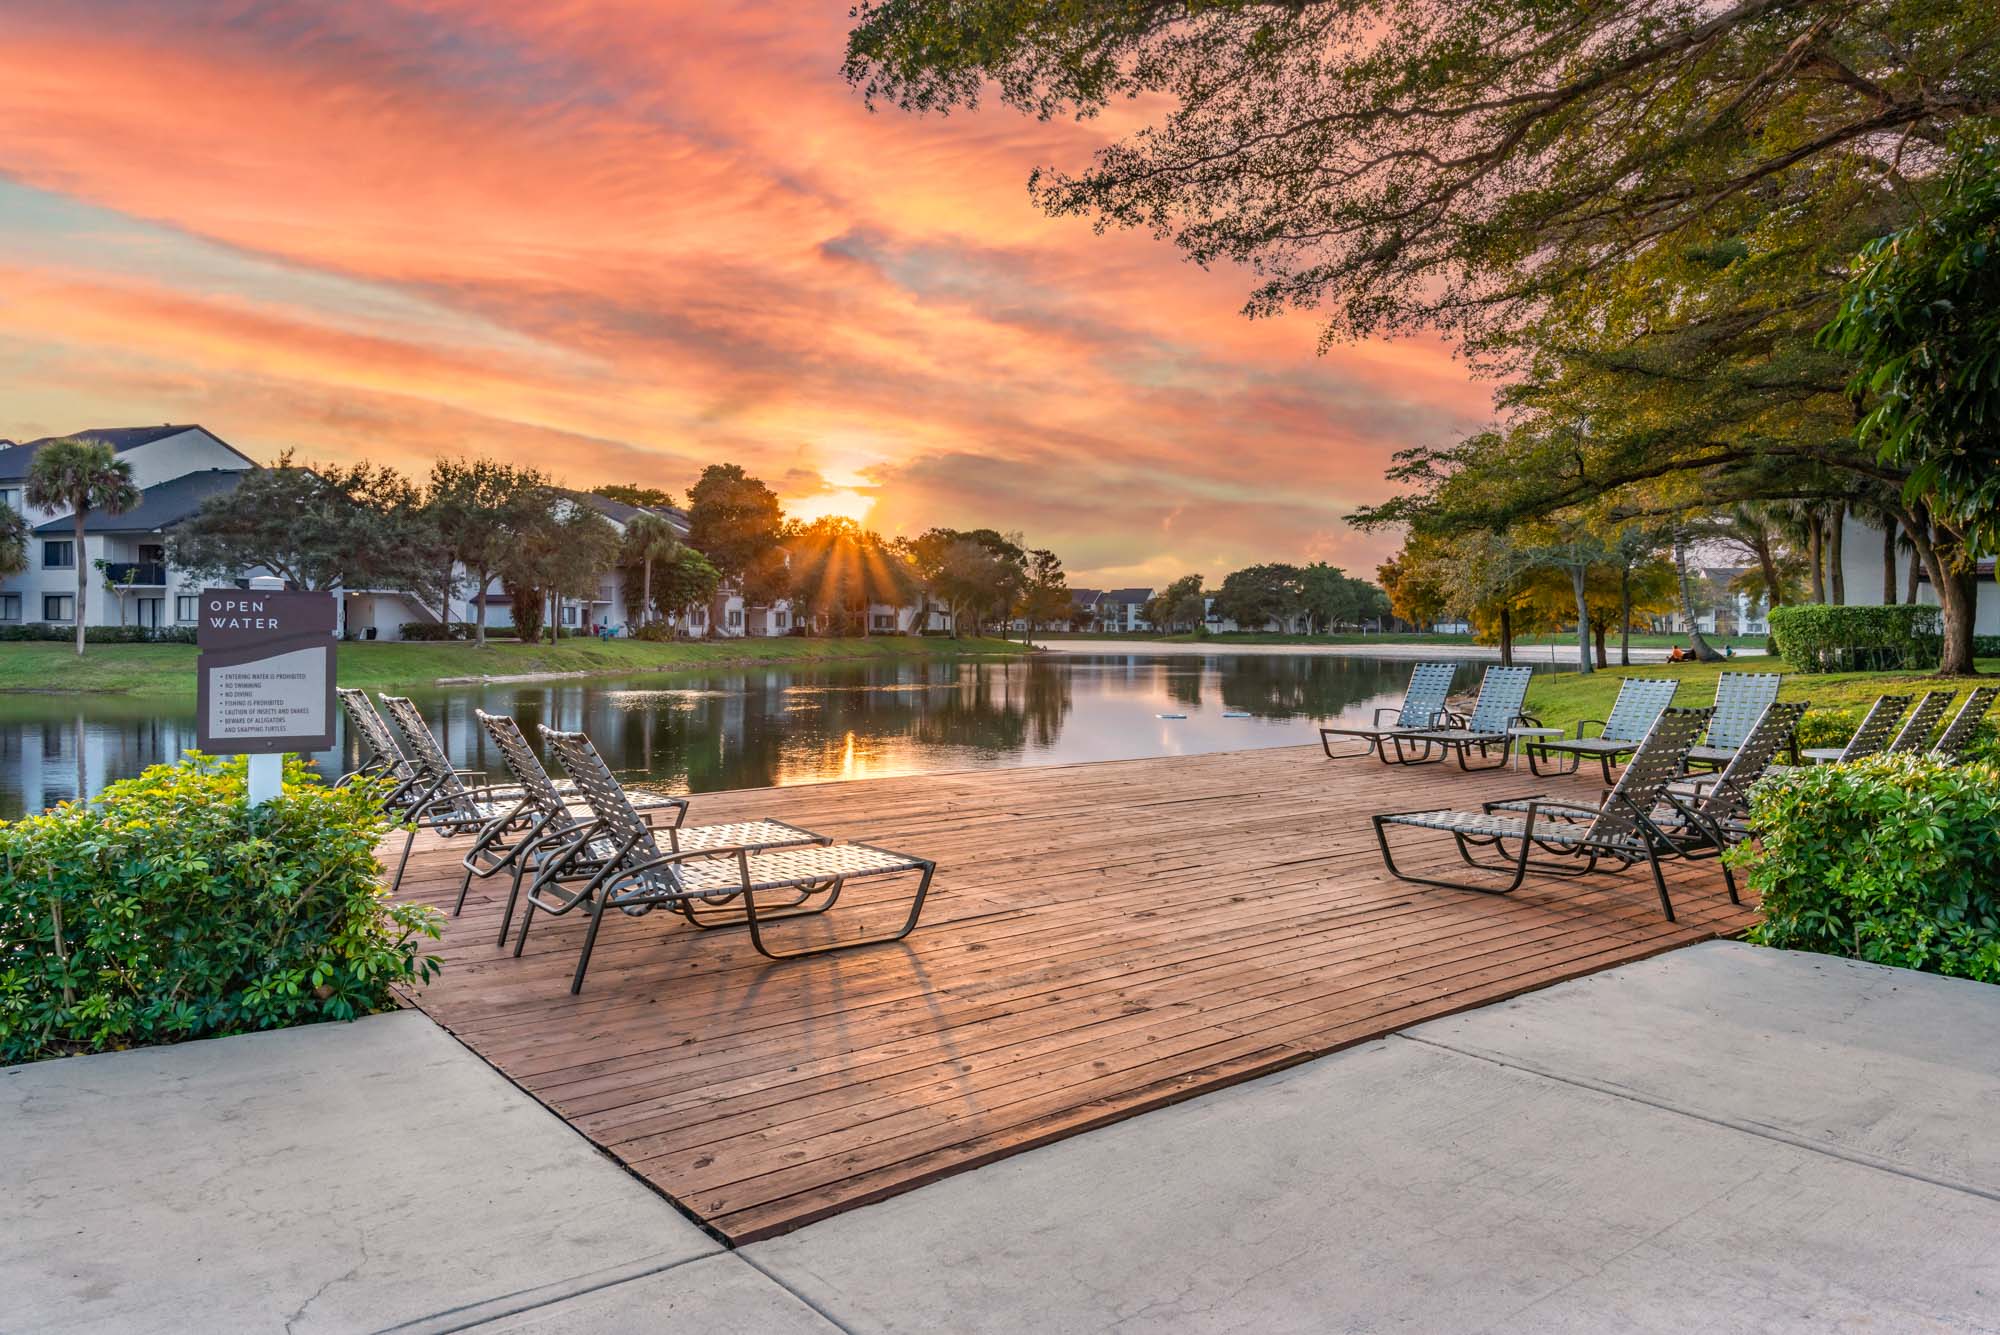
column 1101, row 940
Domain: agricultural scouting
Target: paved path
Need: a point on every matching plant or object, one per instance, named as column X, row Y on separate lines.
column 1719, row 1139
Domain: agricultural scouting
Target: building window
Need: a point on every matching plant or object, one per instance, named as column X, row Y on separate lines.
column 10, row 497
column 153, row 553
column 148, row 612
column 736, row 618
column 883, row 621
column 59, row 607
column 187, row 607
column 778, row 620
column 569, row 614
column 10, row 607
column 58, row 555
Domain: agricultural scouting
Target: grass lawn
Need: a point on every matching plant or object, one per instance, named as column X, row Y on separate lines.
column 168, row 669
column 1559, row 699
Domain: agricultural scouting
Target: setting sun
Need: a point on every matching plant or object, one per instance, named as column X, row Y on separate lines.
column 844, row 503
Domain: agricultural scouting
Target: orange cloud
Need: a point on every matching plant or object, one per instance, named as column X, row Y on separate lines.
column 623, row 243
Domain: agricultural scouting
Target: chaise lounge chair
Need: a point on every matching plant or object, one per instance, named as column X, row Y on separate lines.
column 558, row 839
column 1494, row 715
column 1639, row 704
column 383, row 758
column 636, row 876
column 1958, row 734
column 1915, row 734
column 1872, row 736
column 1619, row 833
column 1422, row 707
column 1740, row 701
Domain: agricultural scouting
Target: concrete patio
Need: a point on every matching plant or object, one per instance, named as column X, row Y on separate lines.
column 1720, row 1138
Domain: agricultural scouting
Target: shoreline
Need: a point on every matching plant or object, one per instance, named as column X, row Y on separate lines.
column 1525, row 655
column 143, row 671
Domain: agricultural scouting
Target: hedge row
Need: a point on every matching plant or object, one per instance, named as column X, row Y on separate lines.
column 1889, row 859
column 1816, row 637
column 58, row 634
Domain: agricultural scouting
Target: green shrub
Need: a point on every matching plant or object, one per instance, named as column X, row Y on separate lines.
column 1894, row 859
column 49, row 631
column 1832, row 727
column 1814, row 637
column 167, row 910
column 431, row 631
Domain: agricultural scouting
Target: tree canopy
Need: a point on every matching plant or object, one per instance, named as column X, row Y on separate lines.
column 80, row 474
column 316, row 526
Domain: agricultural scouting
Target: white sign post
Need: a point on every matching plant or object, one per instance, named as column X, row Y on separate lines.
column 265, row 677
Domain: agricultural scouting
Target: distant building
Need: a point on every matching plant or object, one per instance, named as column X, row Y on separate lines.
column 1121, row 611
column 176, row 469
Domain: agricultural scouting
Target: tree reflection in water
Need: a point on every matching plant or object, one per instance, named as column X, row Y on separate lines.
column 759, row 727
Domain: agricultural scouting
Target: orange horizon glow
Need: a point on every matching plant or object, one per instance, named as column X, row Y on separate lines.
column 619, row 244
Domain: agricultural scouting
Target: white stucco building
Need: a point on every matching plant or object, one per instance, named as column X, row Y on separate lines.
column 176, row 469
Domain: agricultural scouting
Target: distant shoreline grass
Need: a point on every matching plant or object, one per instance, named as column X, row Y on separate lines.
column 28, row 667
column 1521, row 646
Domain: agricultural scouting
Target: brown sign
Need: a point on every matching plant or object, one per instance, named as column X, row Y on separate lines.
column 265, row 675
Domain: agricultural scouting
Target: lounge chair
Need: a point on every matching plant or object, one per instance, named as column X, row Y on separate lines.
column 445, row 803
column 1915, row 734
column 1958, row 734
column 383, row 758
column 1639, row 704
column 1709, row 813
column 559, row 839
column 636, row 876
column 1718, row 805
column 1873, row 735
column 1422, row 707
column 1740, row 701
column 1621, row 830
column 1497, row 711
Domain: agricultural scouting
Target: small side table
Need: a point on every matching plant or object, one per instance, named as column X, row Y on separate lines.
column 1522, row 734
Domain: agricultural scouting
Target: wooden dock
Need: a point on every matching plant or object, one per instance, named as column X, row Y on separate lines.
column 1101, row 940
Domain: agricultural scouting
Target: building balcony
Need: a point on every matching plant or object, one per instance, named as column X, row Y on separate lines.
column 136, row 574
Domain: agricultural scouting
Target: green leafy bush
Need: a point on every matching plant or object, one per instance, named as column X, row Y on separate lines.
column 168, row 910
column 53, row 632
column 1814, row 637
column 431, row 631
column 1832, row 727
column 1894, row 859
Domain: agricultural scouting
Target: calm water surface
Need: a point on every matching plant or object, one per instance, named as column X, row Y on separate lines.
column 757, row 727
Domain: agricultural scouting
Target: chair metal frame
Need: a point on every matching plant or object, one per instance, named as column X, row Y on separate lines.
column 1957, row 736
column 1741, row 699
column 384, row 759
column 1620, row 830
column 1915, row 734
column 446, row 805
column 1423, row 705
column 635, row 876
column 1640, row 702
column 1498, row 710
column 1872, row 734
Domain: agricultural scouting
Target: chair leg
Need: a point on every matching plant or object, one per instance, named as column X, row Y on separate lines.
column 521, row 937
column 909, row 924
column 589, row 939
column 1520, row 868
column 409, row 842
column 1660, row 882
column 513, row 898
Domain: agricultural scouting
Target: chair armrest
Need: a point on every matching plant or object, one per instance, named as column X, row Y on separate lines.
column 1380, row 710
column 1580, row 722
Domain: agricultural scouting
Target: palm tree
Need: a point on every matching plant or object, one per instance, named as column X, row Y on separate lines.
column 82, row 475
column 13, row 541
column 648, row 538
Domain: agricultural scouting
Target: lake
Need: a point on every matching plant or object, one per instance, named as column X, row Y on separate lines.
column 757, row 727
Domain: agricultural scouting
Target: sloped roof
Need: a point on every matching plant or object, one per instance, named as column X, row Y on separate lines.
column 1129, row 595
column 15, row 459
column 1085, row 597
column 159, row 507
column 619, row 512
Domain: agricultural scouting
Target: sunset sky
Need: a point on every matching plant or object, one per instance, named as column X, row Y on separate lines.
column 620, row 240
